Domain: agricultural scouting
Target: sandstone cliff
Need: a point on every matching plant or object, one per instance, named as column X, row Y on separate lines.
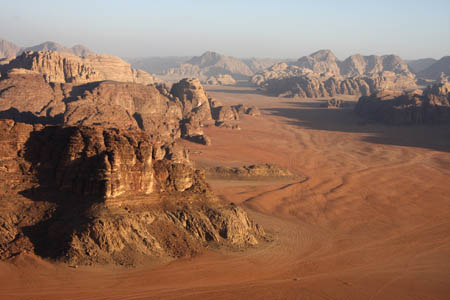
column 432, row 106
column 67, row 68
column 88, row 195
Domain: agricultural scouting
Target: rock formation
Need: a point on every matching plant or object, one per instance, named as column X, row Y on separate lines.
column 432, row 106
column 248, row 172
column 437, row 70
column 212, row 64
column 67, row 68
column 8, row 49
column 78, row 50
column 418, row 65
column 26, row 95
column 322, row 61
column 322, row 75
column 86, row 195
column 221, row 80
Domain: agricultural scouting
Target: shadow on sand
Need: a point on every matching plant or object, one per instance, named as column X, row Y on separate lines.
column 312, row 116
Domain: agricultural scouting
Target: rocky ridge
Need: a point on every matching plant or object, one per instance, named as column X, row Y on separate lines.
column 87, row 195
column 8, row 49
column 322, row 75
column 67, row 68
column 431, row 106
column 31, row 95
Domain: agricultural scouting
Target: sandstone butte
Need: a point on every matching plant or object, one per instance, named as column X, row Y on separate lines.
column 90, row 169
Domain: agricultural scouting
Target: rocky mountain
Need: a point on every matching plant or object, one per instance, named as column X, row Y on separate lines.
column 431, row 106
column 221, row 80
column 56, row 88
column 368, row 65
column 67, row 68
column 321, row 74
column 437, row 69
column 92, row 195
column 78, row 50
column 8, row 49
column 211, row 64
column 322, row 61
column 90, row 168
column 418, row 65
column 156, row 65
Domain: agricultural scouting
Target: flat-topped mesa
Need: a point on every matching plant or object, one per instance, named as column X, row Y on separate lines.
column 67, row 68
column 432, row 106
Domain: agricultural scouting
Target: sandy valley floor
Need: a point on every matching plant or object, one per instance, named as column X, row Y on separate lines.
column 369, row 219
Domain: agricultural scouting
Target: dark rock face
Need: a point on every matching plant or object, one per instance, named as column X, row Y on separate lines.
column 89, row 195
column 430, row 107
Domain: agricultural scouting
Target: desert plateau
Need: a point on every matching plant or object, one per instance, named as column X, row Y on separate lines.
column 133, row 169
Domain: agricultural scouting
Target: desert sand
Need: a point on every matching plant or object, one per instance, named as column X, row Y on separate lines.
column 368, row 218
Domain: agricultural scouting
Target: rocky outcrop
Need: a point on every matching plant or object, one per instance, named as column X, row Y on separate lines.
column 313, row 85
column 67, row 68
column 248, row 172
column 26, row 96
column 78, row 50
column 221, row 80
column 8, row 49
column 86, row 195
column 322, row 61
column 322, row 75
column 432, row 106
column 211, row 64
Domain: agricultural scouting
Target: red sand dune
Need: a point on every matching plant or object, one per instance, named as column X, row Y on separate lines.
column 370, row 221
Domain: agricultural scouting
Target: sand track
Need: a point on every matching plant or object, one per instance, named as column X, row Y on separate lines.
column 371, row 220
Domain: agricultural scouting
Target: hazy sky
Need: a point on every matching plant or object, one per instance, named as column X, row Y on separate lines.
column 411, row 29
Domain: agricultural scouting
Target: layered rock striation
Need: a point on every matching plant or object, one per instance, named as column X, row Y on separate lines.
column 60, row 67
column 87, row 195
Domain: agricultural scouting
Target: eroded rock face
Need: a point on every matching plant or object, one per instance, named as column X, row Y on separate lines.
column 313, row 85
column 87, row 195
column 322, row 75
column 25, row 96
column 67, row 68
column 221, row 80
column 431, row 106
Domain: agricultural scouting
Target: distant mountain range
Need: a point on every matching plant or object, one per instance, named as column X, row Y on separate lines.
column 8, row 49
column 209, row 64
column 213, row 64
